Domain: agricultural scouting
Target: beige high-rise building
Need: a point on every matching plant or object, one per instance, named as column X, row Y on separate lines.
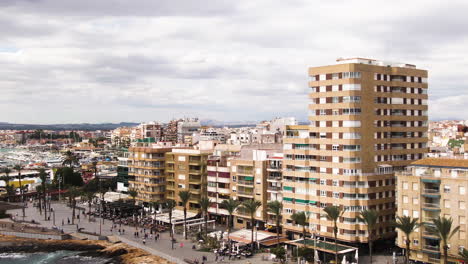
column 146, row 168
column 368, row 119
column 186, row 171
column 430, row 188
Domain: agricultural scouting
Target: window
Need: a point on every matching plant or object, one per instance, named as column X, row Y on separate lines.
column 352, row 111
column 322, row 77
column 348, row 123
column 351, row 87
column 351, row 147
column 415, row 214
column 336, row 195
column 346, row 75
column 415, row 186
column 323, row 182
column 335, row 147
column 447, row 189
column 447, row 203
column 323, row 193
column 335, row 99
column 461, row 190
column 415, row 242
column 405, row 212
column 352, row 160
column 335, row 183
column 288, row 210
column 405, row 199
column 405, row 185
column 351, row 99
column 351, row 135
column 323, row 112
column 415, row 200
column 461, row 205
column 461, row 220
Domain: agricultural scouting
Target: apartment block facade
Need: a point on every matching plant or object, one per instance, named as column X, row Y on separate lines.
column 146, row 167
column 186, row 171
column 367, row 119
column 430, row 188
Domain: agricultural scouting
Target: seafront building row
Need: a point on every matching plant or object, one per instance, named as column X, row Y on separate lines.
column 368, row 119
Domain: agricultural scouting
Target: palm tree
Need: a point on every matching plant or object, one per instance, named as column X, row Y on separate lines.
column 407, row 225
column 442, row 227
column 170, row 205
column 301, row 218
column 94, row 166
column 19, row 168
column 464, row 254
column 73, row 192
column 333, row 214
column 43, row 177
column 133, row 193
column 230, row 205
column 6, row 178
column 369, row 217
column 251, row 206
column 184, row 198
column 69, row 159
column 205, row 203
column 276, row 208
column 89, row 196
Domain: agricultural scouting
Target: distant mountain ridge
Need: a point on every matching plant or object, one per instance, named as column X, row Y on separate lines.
column 81, row 126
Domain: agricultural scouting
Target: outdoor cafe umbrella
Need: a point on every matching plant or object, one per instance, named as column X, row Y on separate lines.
column 316, row 255
column 344, row 260
column 357, row 256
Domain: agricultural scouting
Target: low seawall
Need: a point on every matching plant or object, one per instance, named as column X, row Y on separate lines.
column 35, row 235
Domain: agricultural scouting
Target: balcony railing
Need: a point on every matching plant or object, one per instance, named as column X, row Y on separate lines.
column 432, row 248
column 431, row 205
column 251, row 183
column 274, row 188
column 245, row 193
column 432, row 191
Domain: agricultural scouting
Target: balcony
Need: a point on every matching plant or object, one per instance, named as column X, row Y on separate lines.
column 432, row 248
column 249, row 183
column 244, row 193
column 274, row 178
column 431, row 191
column 431, row 205
column 274, row 188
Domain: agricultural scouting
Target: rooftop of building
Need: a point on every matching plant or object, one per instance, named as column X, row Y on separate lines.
column 374, row 62
column 442, row 162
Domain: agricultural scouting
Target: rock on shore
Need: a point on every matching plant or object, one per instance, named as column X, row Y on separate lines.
column 119, row 253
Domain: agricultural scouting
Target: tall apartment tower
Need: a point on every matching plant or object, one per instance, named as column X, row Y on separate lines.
column 368, row 119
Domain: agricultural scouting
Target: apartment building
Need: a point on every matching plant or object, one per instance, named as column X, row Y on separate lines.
column 146, row 169
column 186, row 170
column 249, row 181
column 430, row 188
column 219, row 179
column 368, row 119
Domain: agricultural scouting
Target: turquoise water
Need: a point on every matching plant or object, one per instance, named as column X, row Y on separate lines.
column 58, row 257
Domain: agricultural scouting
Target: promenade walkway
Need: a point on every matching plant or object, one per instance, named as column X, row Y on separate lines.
column 162, row 247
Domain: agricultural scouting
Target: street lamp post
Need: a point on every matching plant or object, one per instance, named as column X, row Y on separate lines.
column 53, row 216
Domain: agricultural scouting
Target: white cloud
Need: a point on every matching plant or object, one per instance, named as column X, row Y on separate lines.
column 96, row 61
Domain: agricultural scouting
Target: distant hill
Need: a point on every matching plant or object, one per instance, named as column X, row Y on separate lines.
column 82, row 126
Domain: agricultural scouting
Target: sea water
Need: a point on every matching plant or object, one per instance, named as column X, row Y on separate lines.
column 57, row 257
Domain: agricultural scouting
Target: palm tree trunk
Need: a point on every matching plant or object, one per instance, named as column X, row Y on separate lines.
column 370, row 250
column 22, row 197
column 253, row 225
column 336, row 244
column 229, row 231
column 45, row 203
column 445, row 254
column 73, row 212
column 407, row 250
column 277, row 231
column 206, row 224
column 185, row 223
column 170, row 223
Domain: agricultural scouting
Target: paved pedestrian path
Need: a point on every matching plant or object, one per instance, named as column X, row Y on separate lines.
column 162, row 247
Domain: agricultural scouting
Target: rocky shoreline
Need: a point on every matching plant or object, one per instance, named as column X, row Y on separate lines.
column 117, row 253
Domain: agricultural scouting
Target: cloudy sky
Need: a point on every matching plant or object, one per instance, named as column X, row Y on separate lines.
column 69, row 61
